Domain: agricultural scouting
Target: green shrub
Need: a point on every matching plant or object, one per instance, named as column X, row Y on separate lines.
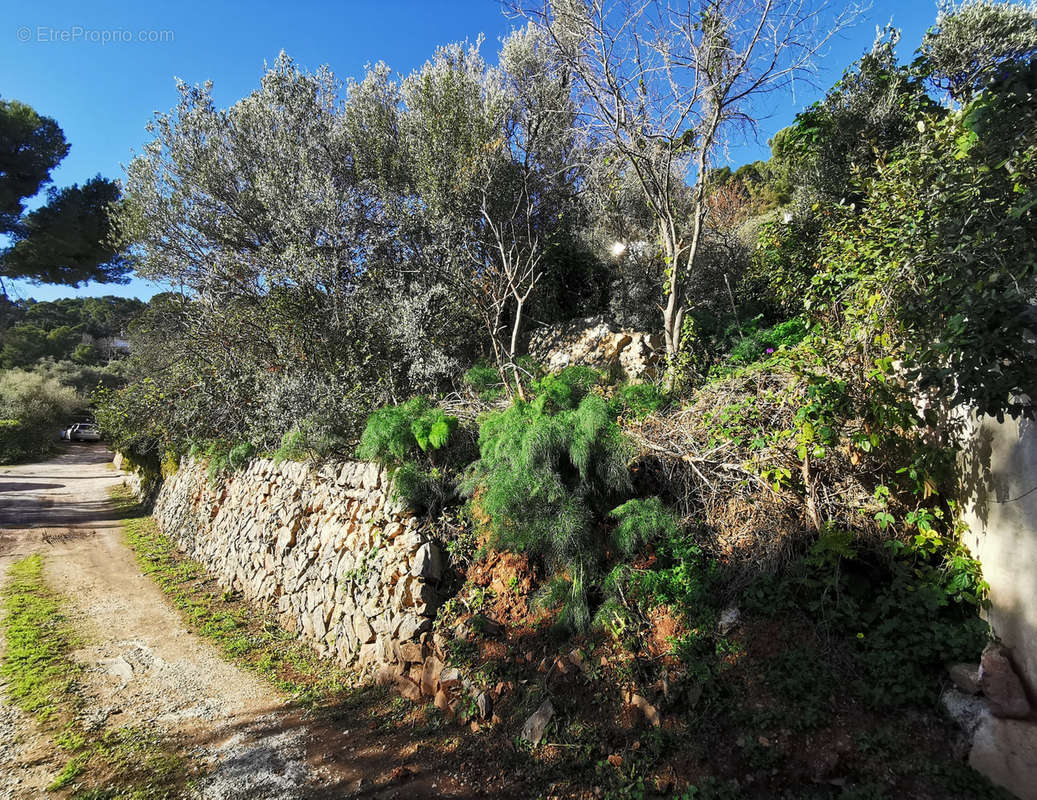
column 222, row 457
column 130, row 418
column 432, row 430
column 394, row 434
column 639, row 522
column 565, row 389
column 485, row 380
column 87, row 354
column 170, row 463
column 11, row 444
column 307, row 439
column 680, row 577
column 405, row 439
column 218, row 462
column 548, row 470
column 240, row 454
column 924, row 254
column 758, row 344
column 387, row 437
column 293, row 446
column 904, row 611
column 923, row 615
column 34, row 409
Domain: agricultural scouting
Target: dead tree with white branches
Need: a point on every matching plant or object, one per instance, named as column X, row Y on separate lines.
column 662, row 84
column 529, row 176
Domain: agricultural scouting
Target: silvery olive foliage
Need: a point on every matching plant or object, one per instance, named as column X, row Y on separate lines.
column 478, row 170
column 973, row 38
column 33, row 407
column 496, row 167
column 335, row 251
column 259, row 213
column 235, row 202
column 425, row 329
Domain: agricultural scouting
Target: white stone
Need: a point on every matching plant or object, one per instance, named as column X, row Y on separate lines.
column 428, row 562
column 533, row 730
column 364, row 632
column 1005, row 750
column 729, row 619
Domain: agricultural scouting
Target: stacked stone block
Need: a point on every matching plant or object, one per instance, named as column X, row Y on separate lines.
column 341, row 562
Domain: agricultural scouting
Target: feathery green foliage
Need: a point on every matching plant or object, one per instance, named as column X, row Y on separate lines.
column 240, row 454
column 404, row 438
column 293, row 446
column 221, row 456
column 307, row 439
column 216, row 456
column 680, row 577
column 432, row 430
column 566, row 388
column 639, row 399
column 640, row 521
column 394, row 433
column 757, row 343
column 485, row 380
column 548, row 470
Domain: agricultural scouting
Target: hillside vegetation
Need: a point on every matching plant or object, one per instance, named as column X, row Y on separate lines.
column 764, row 545
column 53, row 356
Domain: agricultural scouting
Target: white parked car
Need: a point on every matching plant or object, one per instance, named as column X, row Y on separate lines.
column 83, row 432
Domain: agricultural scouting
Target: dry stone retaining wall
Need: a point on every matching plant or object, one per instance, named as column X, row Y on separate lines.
column 341, row 562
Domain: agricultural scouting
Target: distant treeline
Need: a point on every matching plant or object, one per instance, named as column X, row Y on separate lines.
column 70, row 329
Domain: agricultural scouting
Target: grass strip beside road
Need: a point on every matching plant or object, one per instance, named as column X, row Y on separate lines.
column 247, row 636
column 37, row 670
column 43, row 679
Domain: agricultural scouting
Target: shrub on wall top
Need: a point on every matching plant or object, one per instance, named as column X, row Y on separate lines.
column 405, row 438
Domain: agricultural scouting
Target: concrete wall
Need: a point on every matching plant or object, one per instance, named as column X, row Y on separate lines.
column 1000, row 503
column 999, row 495
column 342, row 563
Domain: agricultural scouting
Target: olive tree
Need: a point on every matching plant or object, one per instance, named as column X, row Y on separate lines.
column 530, row 177
column 972, row 39
column 478, row 170
column 232, row 202
column 256, row 211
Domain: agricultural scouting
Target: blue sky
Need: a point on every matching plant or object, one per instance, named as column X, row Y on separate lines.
column 54, row 57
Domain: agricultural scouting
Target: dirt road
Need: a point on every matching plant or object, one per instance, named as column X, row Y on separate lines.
column 143, row 668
